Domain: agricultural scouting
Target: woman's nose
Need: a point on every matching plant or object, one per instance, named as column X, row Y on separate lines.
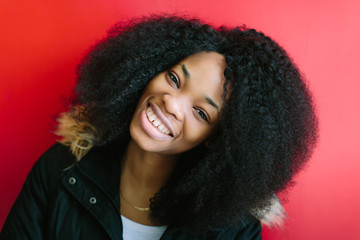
column 174, row 106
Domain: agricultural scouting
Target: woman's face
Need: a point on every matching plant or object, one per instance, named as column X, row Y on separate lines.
column 180, row 107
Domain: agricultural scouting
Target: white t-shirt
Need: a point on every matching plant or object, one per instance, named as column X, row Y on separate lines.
column 135, row 231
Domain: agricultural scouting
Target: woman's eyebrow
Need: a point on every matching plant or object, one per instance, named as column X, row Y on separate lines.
column 186, row 72
column 211, row 102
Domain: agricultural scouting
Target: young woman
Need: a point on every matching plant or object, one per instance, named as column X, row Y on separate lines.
column 177, row 131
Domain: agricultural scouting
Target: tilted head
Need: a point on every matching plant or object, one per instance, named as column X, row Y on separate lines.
column 180, row 107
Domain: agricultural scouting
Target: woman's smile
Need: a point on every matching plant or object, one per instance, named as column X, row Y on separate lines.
column 155, row 124
column 179, row 107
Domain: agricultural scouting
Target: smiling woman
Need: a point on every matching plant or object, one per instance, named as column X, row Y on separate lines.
column 177, row 130
column 177, row 102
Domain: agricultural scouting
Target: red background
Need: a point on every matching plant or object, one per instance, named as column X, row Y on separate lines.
column 42, row 41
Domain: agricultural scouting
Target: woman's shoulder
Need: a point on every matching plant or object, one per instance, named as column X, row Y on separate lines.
column 54, row 161
column 245, row 231
column 248, row 230
column 57, row 156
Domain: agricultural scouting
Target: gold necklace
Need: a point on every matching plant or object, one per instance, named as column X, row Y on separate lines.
column 143, row 209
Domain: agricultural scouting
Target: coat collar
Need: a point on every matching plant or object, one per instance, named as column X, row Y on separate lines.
column 102, row 165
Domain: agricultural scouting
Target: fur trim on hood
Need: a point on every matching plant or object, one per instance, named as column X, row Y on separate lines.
column 274, row 216
column 80, row 135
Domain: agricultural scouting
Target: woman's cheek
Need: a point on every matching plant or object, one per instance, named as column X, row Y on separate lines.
column 195, row 132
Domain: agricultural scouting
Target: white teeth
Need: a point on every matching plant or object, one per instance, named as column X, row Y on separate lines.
column 156, row 122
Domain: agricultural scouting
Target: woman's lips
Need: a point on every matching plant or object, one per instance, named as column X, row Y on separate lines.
column 155, row 123
column 154, row 119
column 162, row 118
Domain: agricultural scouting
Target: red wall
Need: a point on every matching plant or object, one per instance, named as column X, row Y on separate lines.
column 42, row 41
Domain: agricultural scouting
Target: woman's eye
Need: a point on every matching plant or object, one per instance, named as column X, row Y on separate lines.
column 202, row 114
column 174, row 79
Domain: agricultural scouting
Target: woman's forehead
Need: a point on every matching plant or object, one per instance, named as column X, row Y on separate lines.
column 203, row 58
column 204, row 71
column 211, row 64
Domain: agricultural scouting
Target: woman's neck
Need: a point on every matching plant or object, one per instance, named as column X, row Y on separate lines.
column 145, row 171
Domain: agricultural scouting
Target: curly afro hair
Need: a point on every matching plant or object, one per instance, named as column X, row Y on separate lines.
column 267, row 129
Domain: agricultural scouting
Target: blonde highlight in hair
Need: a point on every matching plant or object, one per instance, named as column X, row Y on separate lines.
column 78, row 134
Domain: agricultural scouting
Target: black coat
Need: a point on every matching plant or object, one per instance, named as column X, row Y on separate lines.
column 63, row 200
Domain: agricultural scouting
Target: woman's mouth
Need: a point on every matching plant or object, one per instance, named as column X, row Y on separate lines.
column 156, row 121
